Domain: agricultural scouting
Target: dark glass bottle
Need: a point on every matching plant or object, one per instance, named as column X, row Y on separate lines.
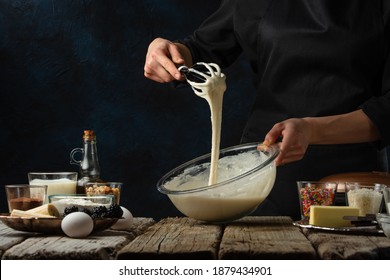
column 89, row 163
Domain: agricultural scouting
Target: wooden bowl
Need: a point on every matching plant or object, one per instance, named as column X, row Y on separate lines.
column 374, row 177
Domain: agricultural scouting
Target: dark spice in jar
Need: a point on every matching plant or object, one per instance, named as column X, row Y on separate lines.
column 25, row 203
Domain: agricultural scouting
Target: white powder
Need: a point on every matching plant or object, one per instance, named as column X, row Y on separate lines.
column 61, row 204
column 367, row 200
column 56, row 186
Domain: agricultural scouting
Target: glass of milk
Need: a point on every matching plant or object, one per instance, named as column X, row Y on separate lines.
column 57, row 182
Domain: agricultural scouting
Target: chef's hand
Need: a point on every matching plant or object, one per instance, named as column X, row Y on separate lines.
column 162, row 58
column 295, row 134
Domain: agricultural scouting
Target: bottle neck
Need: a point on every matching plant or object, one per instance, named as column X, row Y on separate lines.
column 89, row 166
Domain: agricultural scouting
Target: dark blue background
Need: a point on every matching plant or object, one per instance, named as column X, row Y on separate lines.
column 67, row 66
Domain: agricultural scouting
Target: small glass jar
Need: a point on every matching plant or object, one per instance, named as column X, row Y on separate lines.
column 113, row 188
column 367, row 197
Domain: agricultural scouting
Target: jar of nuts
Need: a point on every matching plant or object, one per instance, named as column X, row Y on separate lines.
column 113, row 188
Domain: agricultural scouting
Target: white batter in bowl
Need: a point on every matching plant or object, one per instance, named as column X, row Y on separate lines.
column 246, row 176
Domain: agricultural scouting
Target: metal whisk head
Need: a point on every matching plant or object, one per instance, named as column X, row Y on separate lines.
column 202, row 76
column 198, row 73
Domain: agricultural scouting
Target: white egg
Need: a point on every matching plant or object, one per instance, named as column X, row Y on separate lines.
column 77, row 224
column 125, row 222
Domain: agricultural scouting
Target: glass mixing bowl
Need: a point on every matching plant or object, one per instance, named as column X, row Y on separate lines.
column 246, row 176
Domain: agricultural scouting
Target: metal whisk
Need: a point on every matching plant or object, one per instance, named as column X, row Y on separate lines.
column 201, row 74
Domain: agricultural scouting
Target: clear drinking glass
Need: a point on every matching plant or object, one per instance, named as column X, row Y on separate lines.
column 103, row 188
column 386, row 196
column 367, row 197
column 315, row 193
column 57, row 182
column 24, row 197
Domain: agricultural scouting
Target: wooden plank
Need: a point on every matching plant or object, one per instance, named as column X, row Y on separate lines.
column 10, row 237
column 175, row 238
column 331, row 245
column 264, row 238
column 139, row 226
column 101, row 245
column 383, row 244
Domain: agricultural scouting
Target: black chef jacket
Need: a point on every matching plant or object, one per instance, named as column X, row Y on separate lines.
column 310, row 58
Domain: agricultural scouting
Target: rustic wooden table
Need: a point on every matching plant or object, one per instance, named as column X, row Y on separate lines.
column 183, row 238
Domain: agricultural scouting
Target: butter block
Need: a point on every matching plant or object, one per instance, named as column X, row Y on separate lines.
column 331, row 216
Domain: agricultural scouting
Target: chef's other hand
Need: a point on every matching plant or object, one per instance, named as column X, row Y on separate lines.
column 295, row 134
column 161, row 60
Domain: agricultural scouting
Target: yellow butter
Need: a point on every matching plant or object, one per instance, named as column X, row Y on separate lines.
column 331, row 216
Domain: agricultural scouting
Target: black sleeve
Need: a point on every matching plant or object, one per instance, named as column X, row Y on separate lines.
column 378, row 108
column 215, row 41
